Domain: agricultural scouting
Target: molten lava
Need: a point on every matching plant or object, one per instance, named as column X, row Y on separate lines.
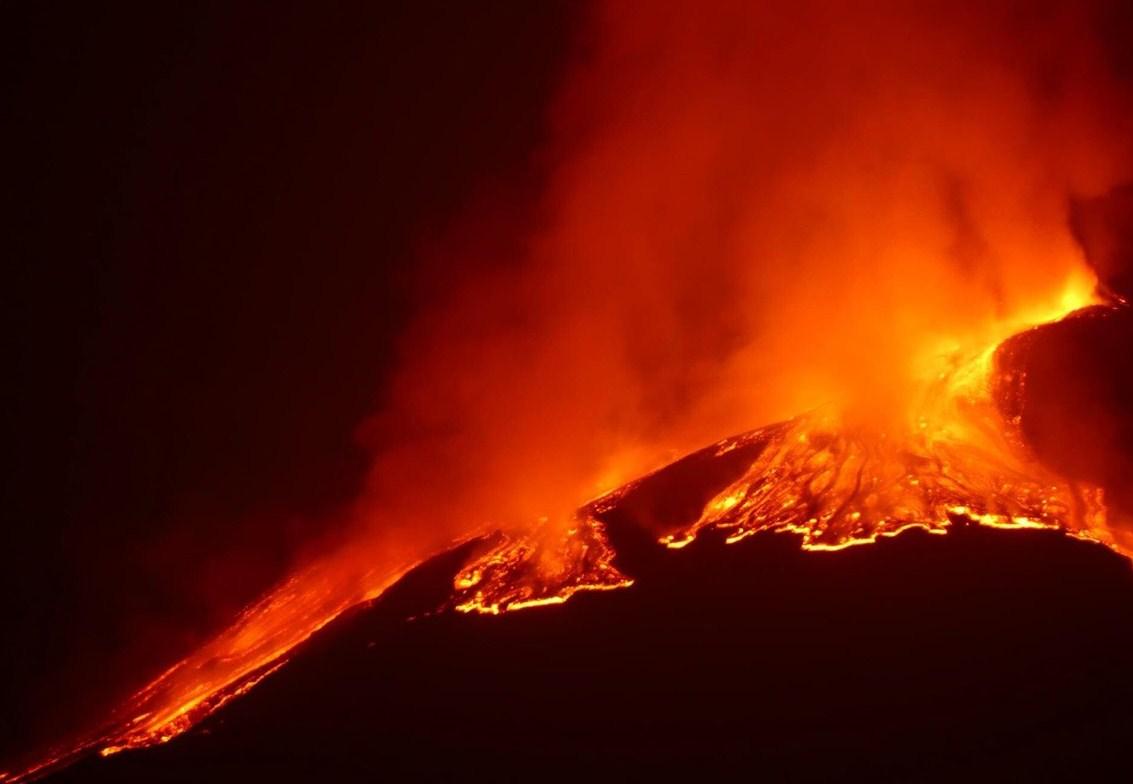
column 547, row 566
column 838, row 483
column 749, row 209
column 830, row 476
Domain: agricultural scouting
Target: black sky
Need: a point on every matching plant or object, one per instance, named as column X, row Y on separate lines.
column 212, row 221
column 212, row 217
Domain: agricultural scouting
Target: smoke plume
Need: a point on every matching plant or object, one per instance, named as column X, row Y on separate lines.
column 751, row 209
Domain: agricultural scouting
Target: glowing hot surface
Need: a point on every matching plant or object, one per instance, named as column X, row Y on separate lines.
column 838, row 482
column 833, row 478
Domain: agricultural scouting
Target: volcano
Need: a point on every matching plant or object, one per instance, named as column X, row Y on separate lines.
column 560, row 390
column 712, row 627
column 978, row 653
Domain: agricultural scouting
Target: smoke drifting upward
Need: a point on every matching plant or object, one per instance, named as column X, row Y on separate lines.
column 752, row 209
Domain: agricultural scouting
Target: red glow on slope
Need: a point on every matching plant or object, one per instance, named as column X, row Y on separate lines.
column 755, row 210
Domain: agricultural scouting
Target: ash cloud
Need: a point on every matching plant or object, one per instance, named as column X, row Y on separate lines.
column 751, row 209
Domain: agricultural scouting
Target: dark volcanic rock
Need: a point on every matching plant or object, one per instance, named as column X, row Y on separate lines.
column 978, row 655
column 1075, row 397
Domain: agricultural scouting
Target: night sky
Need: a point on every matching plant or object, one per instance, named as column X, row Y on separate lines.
column 212, row 226
column 219, row 220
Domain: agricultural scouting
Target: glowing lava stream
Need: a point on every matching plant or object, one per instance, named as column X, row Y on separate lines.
column 834, row 481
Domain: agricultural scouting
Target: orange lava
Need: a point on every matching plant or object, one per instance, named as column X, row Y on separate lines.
column 834, row 480
column 748, row 213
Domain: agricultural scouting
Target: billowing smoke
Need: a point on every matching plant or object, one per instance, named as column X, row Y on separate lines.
column 752, row 208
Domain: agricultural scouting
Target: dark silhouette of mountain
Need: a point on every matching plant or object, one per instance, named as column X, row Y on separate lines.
column 982, row 654
column 979, row 655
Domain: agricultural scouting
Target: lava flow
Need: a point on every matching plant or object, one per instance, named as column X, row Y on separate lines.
column 826, row 476
column 750, row 212
column 837, row 482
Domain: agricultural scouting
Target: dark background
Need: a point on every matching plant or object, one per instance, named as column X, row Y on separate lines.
column 212, row 212
column 213, row 222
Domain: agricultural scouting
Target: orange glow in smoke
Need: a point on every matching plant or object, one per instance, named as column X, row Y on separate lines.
column 754, row 210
